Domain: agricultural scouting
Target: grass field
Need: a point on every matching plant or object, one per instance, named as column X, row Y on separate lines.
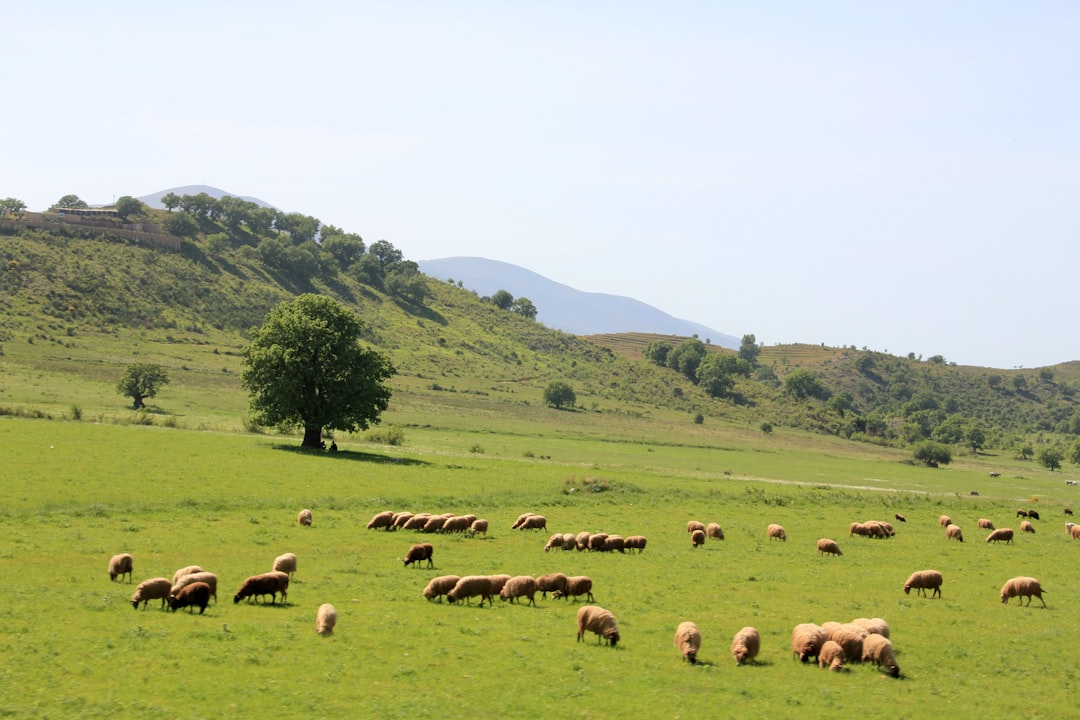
column 74, row 493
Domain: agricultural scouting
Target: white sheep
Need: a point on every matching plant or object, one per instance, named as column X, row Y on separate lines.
column 693, row 525
column 304, row 518
column 479, row 526
column 286, row 563
column 1026, row 526
column 204, row 577
column 923, row 580
column 188, row 570
column 849, row 636
column 831, row 655
column 582, row 540
column 534, row 522
column 121, row 564
column 521, row 520
column 384, row 520
column 576, row 585
column 152, row 589
column 714, row 531
column 777, row 532
column 806, row 641
column 879, row 650
column 985, row 524
column 439, row 586
column 688, row 640
column 875, row 626
column 554, row 542
column 519, row 586
column 745, row 645
column 326, row 619
column 469, row 587
column 1021, row 587
column 944, row 521
column 829, row 547
column 1000, row 534
column 597, row 620
column 953, row 532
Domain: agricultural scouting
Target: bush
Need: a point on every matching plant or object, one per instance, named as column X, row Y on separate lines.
column 933, row 454
column 392, row 435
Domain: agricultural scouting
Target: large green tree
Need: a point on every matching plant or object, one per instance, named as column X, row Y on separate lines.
column 559, row 393
column 71, row 201
column 749, row 349
column 305, row 367
column 1050, row 457
column 142, row 381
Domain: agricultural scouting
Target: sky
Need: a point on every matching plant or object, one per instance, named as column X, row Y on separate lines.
column 900, row 176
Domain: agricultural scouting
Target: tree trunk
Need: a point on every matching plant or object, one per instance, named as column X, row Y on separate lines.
column 138, row 402
column 312, row 436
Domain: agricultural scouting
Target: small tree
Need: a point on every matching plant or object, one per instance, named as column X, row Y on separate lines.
column 142, row 381
column 170, row 201
column 524, row 306
column 559, row 393
column 502, row 299
column 749, row 349
column 766, row 427
column 71, row 201
column 181, row 225
column 933, row 454
column 657, row 352
column 127, row 206
column 1051, row 457
column 1025, row 451
column 975, row 437
column 12, row 206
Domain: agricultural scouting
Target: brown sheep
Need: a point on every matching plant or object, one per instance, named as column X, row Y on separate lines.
column 695, row 525
column 1068, row 511
column 1026, row 526
column 615, row 543
column 923, row 580
column 944, row 521
column 433, row 524
column 1074, row 531
column 457, row 524
column 806, row 641
column 778, row 532
column 521, row 520
column 1033, row 514
column 900, row 518
column 985, row 524
column 303, row 518
column 121, row 564
column 469, row 587
column 1021, row 513
column 190, row 596
column 384, row 520
column 596, row 542
column 1000, row 534
column 256, row 586
column 827, row 546
column 831, row 655
column 697, row 537
column 714, row 531
column 400, row 518
column 534, row 522
column 555, row 542
column 582, row 540
column 497, row 583
column 418, row 553
column 953, row 532
column 745, row 645
column 551, row 583
column 597, row 620
column 688, row 640
column 636, row 542
column 519, row 586
column 439, row 586
column 576, row 585
column 416, row 522
column 860, row 529
column 479, row 526
column 152, row 589
column 879, row 650
column 1022, row 587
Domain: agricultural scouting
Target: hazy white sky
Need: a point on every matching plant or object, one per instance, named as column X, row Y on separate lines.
column 903, row 176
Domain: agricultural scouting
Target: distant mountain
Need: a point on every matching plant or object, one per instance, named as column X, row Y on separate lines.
column 564, row 308
column 154, row 199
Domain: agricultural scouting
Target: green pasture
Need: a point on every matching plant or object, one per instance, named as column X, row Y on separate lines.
column 74, row 493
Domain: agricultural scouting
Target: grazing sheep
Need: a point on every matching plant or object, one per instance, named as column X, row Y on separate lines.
column 582, row 540
column 849, row 635
column 827, row 546
column 985, row 524
column 457, row 524
column 1068, row 511
column 878, row 650
column 120, row 565
column 944, row 521
column 1021, row 513
column 923, row 580
column 205, row 577
column 439, row 586
column 519, row 586
column 303, row 518
column 1072, row 530
column 597, row 620
column 886, row 527
column 1000, row 534
column 416, row 522
column 636, row 542
column 857, row 528
column 615, row 543
column 521, row 520
column 189, row 570
column 400, row 518
column 831, row 655
column 418, row 553
column 697, row 537
column 875, row 626
column 953, row 532
column 778, row 532
column 687, row 640
column 285, row 563
column 900, row 518
column 1033, row 514
column 326, row 619
column 876, row 529
column 469, row 587
column 433, row 524
column 569, row 541
column 152, row 589
column 1026, row 526
column 479, row 526
column 534, row 522
column 596, row 542
column 995, row 474
column 551, row 583
column 384, row 520
column 806, row 641
column 554, row 542
column 1022, row 587
column 714, row 531
column 270, row 583
column 576, row 585
column 695, row 525
column 190, row 596
column 497, row 583
column 745, row 645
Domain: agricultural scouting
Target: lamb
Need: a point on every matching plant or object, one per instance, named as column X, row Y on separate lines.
column 152, row 589
column 120, row 565
column 384, row 520
column 985, row 524
column 534, row 522
column 778, row 532
column 1022, row 587
column 188, row 570
column 439, row 586
column 1026, row 526
column 832, row 655
column 190, row 596
column 827, row 546
column 745, row 645
column 418, row 553
column 900, row 518
column 714, row 531
column 479, row 526
column 953, row 532
column 695, row 525
column 205, row 577
column 944, row 521
column 270, row 583
column 285, row 563
column 636, row 542
column 597, row 620
column 576, row 585
column 303, row 518
column 469, row 587
column 848, row 635
column 879, row 650
column 697, row 537
column 1000, row 534
column 687, row 640
column 326, row 619
column 806, row 641
column 551, row 583
column 521, row 520
column 519, row 586
column 923, row 580
column 875, row 626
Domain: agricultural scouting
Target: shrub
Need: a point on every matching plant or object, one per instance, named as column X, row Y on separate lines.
column 933, row 454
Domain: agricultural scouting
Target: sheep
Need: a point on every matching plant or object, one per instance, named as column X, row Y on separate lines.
column 876, row 529
column 433, row 524
column 205, row 577
column 479, row 526
column 326, row 619
column 953, row 532
column 270, row 583
column 890, row 531
column 554, row 542
column 497, row 583
column 695, row 525
column 285, row 563
column 944, row 521
column 778, row 532
column 697, row 537
column 745, row 645
column 303, row 518
column 418, row 553
column 190, row 596
column 614, row 543
column 521, row 520
column 469, row 587
column 1021, row 513
column 121, row 564
column 849, row 635
column 416, row 522
column 995, row 474
column 534, row 522
column 439, row 586
column 857, row 528
column 1033, row 514
column 923, row 580
column 806, row 641
column 551, row 583
column 457, row 524
column 900, row 518
column 1005, row 534
column 152, row 589
column 597, row 620
column 827, row 546
column 519, row 586
column 1026, row 526
column 576, row 585
column 1074, row 532
column 582, row 540
column 985, row 524
column 384, row 520
column 636, row 542
column 596, row 541
column 188, row 570
column 878, row 650
column 875, row 626
column 714, row 531
column 1022, row 587
column 1068, row 511
column 399, row 519
column 569, row 541
column 832, row 655
column 687, row 640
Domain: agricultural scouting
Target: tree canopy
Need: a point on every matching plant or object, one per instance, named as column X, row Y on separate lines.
column 142, row 381
column 305, row 367
column 559, row 393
